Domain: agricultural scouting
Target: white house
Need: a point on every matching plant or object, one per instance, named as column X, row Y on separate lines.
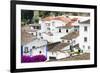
column 32, row 46
column 72, row 38
column 57, row 51
column 49, row 24
column 84, row 35
column 53, row 28
column 83, row 25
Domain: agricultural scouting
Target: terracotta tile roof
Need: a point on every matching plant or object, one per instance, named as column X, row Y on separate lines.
column 51, row 45
column 26, row 38
column 61, row 18
column 74, row 19
column 71, row 35
column 84, row 22
column 59, row 46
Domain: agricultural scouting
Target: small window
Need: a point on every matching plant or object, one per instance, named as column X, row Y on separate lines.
column 37, row 27
column 41, row 37
column 88, row 47
column 85, row 28
column 85, row 39
column 66, row 30
column 40, row 52
column 39, row 34
column 59, row 30
column 33, row 47
column 32, row 33
column 75, row 29
column 48, row 28
column 83, row 46
column 68, row 41
column 26, row 50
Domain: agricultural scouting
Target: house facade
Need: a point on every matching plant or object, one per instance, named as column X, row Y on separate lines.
column 58, row 51
column 36, row 47
column 56, row 37
column 53, row 28
column 32, row 46
column 85, row 35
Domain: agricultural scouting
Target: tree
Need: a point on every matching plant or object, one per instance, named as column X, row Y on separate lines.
column 26, row 16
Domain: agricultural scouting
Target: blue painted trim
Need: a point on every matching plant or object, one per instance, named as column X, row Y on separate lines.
column 21, row 50
column 30, row 52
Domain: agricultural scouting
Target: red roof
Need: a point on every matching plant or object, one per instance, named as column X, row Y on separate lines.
column 72, row 21
column 61, row 18
column 48, row 18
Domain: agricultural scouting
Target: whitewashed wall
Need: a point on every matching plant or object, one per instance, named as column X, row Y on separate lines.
column 55, row 38
column 84, row 34
column 36, row 43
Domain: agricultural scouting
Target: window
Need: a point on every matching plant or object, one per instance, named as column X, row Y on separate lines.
column 40, row 52
column 37, row 27
column 88, row 47
column 39, row 34
column 41, row 37
column 66, row 30
column 85, row 28
column 75, row 29
column 48, row 28
column 26, row 50
column 59, row 30
column 85, row 39
column 33, row 47
column 83, row 46
column 32, row 33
